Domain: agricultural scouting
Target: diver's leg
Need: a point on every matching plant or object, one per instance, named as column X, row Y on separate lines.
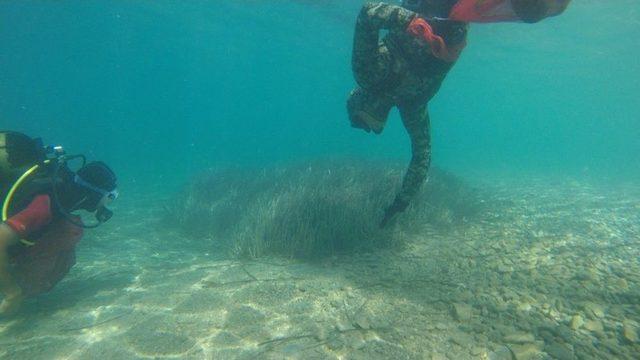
column 8, row 286
column 370, row 60
column 416, row 121
column 367, row 105
column 373, row 66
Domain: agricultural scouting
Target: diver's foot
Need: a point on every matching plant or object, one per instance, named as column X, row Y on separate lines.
column 10, row 305
column 360, row 125
column 368, row 123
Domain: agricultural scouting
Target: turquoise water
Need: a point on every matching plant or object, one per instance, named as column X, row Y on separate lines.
column 197, row 84
column 543, row 118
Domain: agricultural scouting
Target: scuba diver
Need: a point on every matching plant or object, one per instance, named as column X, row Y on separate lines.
column 39, row 230
column 423, row 40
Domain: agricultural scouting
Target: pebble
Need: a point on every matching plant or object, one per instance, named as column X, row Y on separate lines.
column 525, row 307
column 594, row 326
column 525, row 352
column 500, row 306
column 343, row 326
column 547, row 336
column 462, row 312
column 509, row 294
column 629, row 332
column 564, row 333
column 612, row 345
column 362, row 322
column 355, row 341
column 519, row 338
column 616, row 311
column 321, row 335
column 621, row 284
column 576, row 322
column 478, row 352
column 554, row 314
column 501, row 353
column 335, row 342
column 594, row 311
column 560, row 351
column 462, row 339
column 587, row 276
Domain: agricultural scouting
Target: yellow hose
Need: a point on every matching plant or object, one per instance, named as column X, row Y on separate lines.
column 12, row 192
column 14, row 188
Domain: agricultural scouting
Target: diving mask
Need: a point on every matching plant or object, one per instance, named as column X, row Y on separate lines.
column 102, row 213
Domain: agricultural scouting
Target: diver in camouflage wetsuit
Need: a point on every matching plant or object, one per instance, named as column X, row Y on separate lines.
column 408, row 66
column 403, row 71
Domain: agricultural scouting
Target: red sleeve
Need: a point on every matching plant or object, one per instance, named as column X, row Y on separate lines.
column 33, row 218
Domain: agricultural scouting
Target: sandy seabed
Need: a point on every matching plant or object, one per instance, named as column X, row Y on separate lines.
column 554, row 273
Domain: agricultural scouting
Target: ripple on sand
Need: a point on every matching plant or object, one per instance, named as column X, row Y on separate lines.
column 202, row 301
column 107, row 350
column 266, row 293
column 153, row 338
column 247, row 323
column 43, row 348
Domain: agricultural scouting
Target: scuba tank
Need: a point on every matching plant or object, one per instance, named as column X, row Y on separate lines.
column 28, row 168
column 20, row 156
column 18, row 153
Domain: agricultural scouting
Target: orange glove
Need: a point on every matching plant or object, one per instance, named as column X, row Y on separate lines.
column 421, row 29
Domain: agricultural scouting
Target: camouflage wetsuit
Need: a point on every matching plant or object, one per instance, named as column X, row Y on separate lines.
column 398, row 71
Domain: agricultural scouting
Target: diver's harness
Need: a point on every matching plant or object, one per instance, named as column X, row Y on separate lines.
column 57, row 158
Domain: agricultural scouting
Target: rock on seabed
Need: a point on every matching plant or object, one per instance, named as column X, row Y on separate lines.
column 630, row 332
column 462, row 312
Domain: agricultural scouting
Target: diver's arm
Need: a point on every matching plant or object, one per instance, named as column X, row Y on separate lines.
column 33, row 218
column 416, row 121
column 8, row 237
column 382, row 16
